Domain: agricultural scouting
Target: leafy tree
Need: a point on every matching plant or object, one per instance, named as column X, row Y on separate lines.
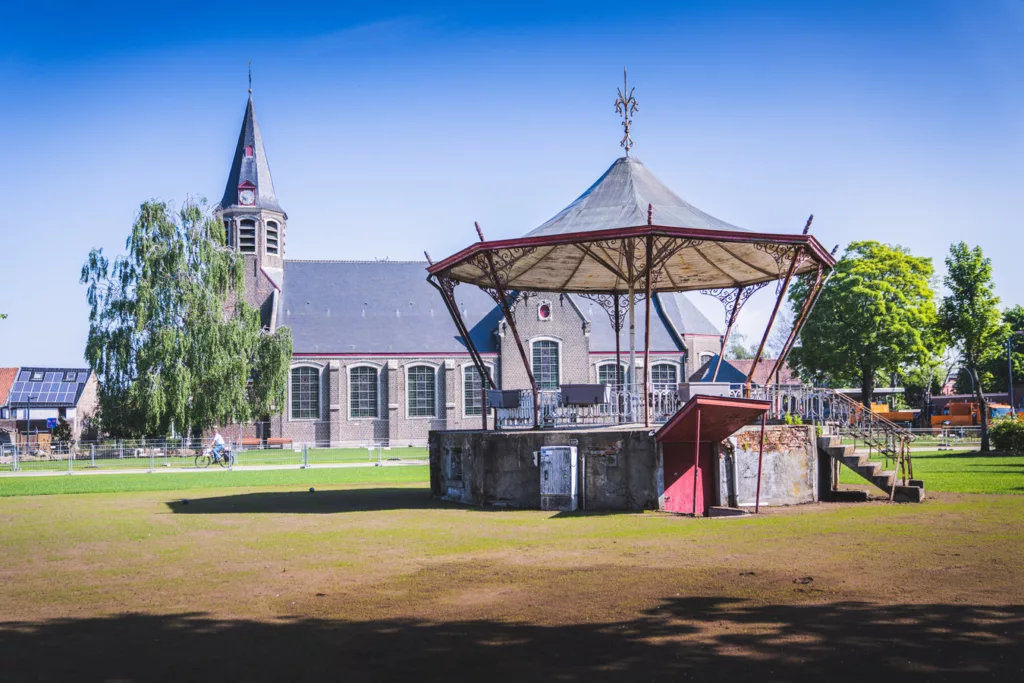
column 779, row 335
column 62, row 432
column 994, row 369
column 170, row 339
column 969, row 317
column 875, row 317
column 737, row 348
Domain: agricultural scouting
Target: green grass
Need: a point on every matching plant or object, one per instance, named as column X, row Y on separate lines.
column 119, row 483
column 271, row 456
column 961, row 472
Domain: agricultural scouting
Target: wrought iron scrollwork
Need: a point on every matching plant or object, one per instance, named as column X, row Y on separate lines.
column 733, row 298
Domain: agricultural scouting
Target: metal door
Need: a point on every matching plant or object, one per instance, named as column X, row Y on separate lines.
column 558, row 478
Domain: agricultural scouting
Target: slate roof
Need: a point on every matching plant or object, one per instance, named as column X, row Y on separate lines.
column 7, row 376
column 619, row 199
column 385, row 307
column 255, row 169
column 378, row 307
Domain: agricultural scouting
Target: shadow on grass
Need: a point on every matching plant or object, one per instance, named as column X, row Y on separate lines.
column 330, row 501
column 711, row 639
column 321, row 502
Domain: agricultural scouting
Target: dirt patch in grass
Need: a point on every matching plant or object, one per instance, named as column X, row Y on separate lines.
column 281, row 584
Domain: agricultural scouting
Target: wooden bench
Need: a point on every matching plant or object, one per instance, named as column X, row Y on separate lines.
column 255, row 442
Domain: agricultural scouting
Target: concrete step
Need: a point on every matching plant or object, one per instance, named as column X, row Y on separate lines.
column 885, row 480
column 909, row 494
column 848, row 496
column 868, row 470
column 854, row 461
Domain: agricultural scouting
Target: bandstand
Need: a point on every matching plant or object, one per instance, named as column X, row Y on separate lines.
column 624, row 239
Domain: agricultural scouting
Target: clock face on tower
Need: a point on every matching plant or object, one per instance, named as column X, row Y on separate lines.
column 246, row 197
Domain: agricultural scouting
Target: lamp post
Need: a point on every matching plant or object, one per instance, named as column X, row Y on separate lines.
column 1009, row 364
column 28, row 419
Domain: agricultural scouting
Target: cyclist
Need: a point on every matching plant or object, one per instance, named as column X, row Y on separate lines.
column 217, row 446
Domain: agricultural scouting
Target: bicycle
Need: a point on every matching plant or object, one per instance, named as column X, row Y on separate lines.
column 204, row 459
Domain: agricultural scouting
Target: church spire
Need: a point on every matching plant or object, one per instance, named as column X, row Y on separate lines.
column 249, row 182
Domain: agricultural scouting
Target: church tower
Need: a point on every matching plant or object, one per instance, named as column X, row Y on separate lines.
column 254, row 222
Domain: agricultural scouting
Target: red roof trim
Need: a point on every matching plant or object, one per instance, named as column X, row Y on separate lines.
column 819, row 252
column 711, row 402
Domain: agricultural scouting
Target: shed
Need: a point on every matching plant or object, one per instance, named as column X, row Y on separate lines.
column 687, row 440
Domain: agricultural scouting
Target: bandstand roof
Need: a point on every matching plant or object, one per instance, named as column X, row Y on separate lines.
column 598, row 244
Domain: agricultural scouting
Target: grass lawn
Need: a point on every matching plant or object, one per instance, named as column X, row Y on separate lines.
column 368, row 582
column 217, row 478
column 961, row 472
column 169, row 460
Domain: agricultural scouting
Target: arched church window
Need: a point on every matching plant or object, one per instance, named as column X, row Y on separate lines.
column 610, row 373
column 664, row 376
column 546, row 364
column 305, row 403
column 421, row 391
column 362, row 391
column 227, row 232
column 272, row 238
column 247, row 236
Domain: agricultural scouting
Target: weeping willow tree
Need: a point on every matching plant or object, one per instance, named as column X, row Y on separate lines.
column 171, row 339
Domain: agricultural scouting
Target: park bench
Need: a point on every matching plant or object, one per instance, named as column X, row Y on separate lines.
column 256, row 442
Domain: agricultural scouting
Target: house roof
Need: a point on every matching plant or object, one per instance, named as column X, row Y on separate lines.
column 48, row 387
column 7, row 376
column 620, row 198
column 736, row 371
column 377, row 307
column 254, row 169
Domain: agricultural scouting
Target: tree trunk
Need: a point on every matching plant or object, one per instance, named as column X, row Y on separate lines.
column 982, row 408
column 867, row 388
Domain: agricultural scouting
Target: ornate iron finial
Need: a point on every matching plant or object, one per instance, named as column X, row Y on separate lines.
column 650, row 214
column 429, row 260
column 250, row 76
column 626, row 106
column 835, row 249
column 479, row 231
column 807, row 228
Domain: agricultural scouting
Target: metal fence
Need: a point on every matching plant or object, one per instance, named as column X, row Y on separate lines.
column 154, row 455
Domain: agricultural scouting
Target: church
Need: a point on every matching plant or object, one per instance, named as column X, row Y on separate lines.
column 376, row 357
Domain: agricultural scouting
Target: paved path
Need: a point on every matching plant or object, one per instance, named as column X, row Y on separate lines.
column 212, row 468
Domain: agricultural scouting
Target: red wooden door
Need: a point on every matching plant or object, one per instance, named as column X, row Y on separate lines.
column 678, row 462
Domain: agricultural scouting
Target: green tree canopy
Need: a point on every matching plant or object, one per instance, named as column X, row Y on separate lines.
column 969, row 317
column 994, row 370
column 170, row 339
column 876, row 315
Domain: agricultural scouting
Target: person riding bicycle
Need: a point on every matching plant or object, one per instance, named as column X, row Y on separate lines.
column 217, row 446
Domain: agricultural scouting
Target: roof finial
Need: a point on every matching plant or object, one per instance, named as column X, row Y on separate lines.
column 626, row 106
column 250, row 76
column 807, row 228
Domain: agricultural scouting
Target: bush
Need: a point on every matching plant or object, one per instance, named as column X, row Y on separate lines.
column 793, row 419
column 1007, row 435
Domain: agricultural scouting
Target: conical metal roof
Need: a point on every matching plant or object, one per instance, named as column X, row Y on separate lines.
column 620, row 198
column 250, row 165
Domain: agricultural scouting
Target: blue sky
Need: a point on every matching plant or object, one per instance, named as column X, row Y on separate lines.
column 390, row 128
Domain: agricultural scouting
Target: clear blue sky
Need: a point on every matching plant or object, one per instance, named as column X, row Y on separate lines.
column 391, row 128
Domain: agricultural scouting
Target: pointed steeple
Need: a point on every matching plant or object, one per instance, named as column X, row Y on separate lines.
column 250, row 169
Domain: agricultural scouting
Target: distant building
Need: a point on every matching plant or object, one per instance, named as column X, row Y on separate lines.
column 736, row 371
column 376, row 356
column 29, row 396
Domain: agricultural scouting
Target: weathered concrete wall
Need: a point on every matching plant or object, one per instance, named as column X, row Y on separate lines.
column 790, row 472
column 617, row 469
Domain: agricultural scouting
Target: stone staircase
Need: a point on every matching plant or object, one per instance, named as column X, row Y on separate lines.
column 912, row 492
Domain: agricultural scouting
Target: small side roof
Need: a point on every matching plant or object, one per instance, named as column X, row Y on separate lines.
column 720, row 417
